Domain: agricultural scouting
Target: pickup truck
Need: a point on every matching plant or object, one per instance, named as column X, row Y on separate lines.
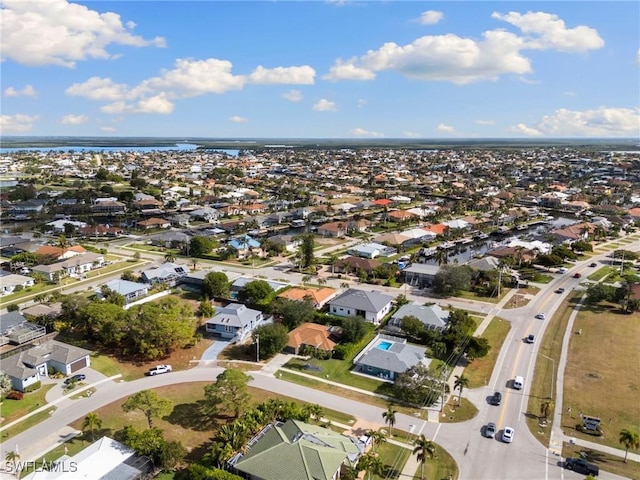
column 580, row 465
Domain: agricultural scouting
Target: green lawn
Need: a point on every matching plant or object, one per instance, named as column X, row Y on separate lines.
column 14, row 409
column 479, row 370
column 73, row 446
column 454, row 413
column 393, row 457
column 443, row 466
column 26, row 424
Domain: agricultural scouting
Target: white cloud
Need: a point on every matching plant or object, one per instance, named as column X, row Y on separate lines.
column 18, row 123
column 599, row 122
column 156, row 104
column 430, row 17
column 361, row 132
column 102, row 89
column 485, row 122
column 238, row 119
column 324, row 105
column 463, row 60
column 347, row 70
column 293, row 95
column 548, row 31
column 74, row 119
column 27, row 91
column 570, row 93
column 445, row 128
column 409, row 134
column 303, row 75
column 522, row 129
column 108, row 129
column 114, row 108
column 55, row 32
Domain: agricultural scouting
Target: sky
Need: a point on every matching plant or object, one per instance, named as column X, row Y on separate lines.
column 320, row 69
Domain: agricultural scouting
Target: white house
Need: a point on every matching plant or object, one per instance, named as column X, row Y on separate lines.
column 372, row 306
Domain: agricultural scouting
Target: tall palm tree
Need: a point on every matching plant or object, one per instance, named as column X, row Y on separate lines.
column 441, row 256
column 170, row 257
column 377, row 438
column 460, row 383
column 13, row 457
column 545, row 408
column 92, row 423
column 424, row 448
column 390, row 418
column 63, row 243
column 630, row 440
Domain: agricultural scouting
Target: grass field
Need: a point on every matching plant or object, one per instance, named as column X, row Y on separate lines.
column 479, row 370
column 453, row 413
column 606, row 462
column 442, row 467
column 14, row 409
column 600, row 380
column 393, row 457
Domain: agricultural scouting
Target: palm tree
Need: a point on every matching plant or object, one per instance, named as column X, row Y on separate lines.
column 306, row 279
column 13, row 457
column 545, row 408
column 630, row 440
column 344, row 285
column 442, row 256
column 424, row 448
column 322, row 281
column 333, row 259
column 377, row 438
column 170, row 257
column 460, row 383
column 63, row 244
column 92, row 423
column 390, row 418
column 314, row 411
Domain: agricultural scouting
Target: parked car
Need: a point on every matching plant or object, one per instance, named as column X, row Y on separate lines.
column 541, row 316
column 158, row 369
column 78, row 377
column 507, row 434
column 562, row 270
column 580, row 465
column 594, row 264
column 496, row 398
column 576, row 275
column 530, row 338
column 490, row 430
column 560, row 290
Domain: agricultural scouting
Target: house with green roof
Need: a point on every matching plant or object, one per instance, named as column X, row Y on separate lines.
column 295, row 450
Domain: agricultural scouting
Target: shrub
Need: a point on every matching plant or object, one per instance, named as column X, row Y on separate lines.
column 15, row 395
column 33, row 387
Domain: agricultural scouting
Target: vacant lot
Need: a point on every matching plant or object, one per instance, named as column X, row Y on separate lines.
column 600, row 378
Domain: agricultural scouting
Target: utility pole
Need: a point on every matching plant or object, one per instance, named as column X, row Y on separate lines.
column 258, row 348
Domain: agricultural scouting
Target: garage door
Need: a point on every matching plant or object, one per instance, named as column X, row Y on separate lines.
column 78, row 364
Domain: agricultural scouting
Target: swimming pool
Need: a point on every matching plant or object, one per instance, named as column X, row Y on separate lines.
column 385, row 345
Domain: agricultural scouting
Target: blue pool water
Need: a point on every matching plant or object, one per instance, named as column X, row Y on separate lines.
column 384, row 345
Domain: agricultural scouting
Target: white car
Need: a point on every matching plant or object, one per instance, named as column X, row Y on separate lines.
column 158, row 369
column 507, row 434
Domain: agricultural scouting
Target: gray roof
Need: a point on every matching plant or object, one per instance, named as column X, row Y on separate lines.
column 235, row 315
column 423, row 269
column 240, row 282
column 14, row 367
column 360, row 300
column 10, row 319
column 165, row 271
column 7, row 241
column 398, row 358
column 428, row 315
column 125, row 287
column 53, row 350
column 485, row 263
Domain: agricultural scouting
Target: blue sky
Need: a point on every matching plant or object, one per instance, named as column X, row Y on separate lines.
column 335, row 69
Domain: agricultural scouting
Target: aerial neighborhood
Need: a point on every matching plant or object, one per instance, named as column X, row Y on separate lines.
column 325, row 308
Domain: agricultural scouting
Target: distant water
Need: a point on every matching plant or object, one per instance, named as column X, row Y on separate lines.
column 177, row 146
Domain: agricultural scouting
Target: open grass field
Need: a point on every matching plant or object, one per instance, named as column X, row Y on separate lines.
column 600, row 378
column 606, row 462
column 544, row 373
column 479, row 370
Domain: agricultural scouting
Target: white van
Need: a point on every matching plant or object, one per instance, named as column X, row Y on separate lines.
column 518, row 382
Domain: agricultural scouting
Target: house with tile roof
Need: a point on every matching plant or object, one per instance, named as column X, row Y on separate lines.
column 317, row 296
column 310, row 452
column 372, row 306
column 386, row 357
column 321, row 337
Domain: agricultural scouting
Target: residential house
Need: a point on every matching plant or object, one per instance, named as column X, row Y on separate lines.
column 108, row 207
column 30, row 366
column 354, row 264
column 235, row 322
column 297, row 450
column 372, row 306
column 9, row 283
column 395, row 239
column 131, row 291
column 417, row 236
column 318, row 296
column 15, row 328
column 358, row 226
column 26, row 209
column 101, row 231
column 573, row 233
column 60, row 253
column 171, row 239
column 386, row 357
column 72, row 267
column 43, row 310
column 239, row 283
column 167, row 273
column 420, row 274
column 401, row 216
column 149, row 206
column 153, row 222
column 320, row 337
column 333, row 229
column 205, row 214
column 289, row 242
column 245, row 246
column 432, row 316
column 371, row 250
column 104, row 459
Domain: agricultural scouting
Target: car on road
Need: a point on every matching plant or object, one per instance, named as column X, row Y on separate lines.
column 496, row 398
column 541, row 316
column 562, row 270
column 158, row 369
column 576, row 275
column 490, row 430
column 530, row 338
column 78, row 377
column 580, row 465
column 594, row 264
column 560, row 290
column 507, row 434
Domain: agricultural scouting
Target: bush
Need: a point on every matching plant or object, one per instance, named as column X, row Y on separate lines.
column 13, row 307
column 33, row 387
column 15, row 395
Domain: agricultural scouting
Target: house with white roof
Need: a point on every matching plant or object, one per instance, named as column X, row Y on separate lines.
column 235, row 322
column 371, row 250
column 131, row 291
column 167, row 273
column 9, row 283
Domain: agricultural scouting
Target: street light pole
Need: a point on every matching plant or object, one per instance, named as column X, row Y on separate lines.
column 257, row 348
column 553, row 370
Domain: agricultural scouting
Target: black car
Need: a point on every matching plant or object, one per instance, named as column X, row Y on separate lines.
column 78, row 377
column 496, row 398
column 580, row 465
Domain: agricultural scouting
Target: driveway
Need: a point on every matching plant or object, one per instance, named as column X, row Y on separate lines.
column 211, row 353
column 58, row 391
